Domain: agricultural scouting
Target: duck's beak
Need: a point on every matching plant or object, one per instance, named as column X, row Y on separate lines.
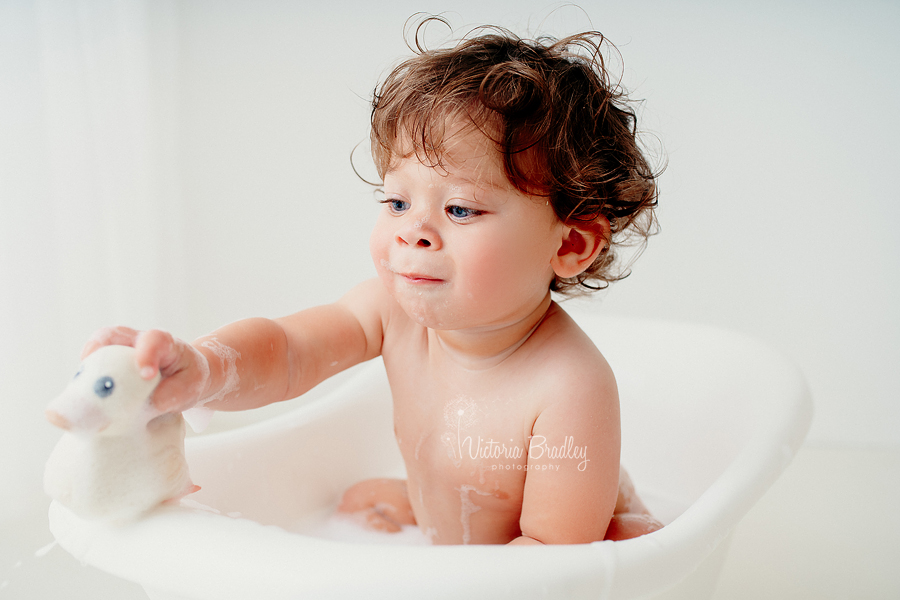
column 57, row 419
column 75, row 415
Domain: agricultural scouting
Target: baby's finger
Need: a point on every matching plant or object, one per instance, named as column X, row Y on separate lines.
column 380, row 522
column 184, row 381
column 396, row 514
column 156, row 352
column 109, row 336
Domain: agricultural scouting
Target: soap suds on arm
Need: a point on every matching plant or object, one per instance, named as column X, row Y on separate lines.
column 228, row 359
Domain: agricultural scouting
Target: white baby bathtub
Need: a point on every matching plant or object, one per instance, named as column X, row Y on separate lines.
column 710, row 419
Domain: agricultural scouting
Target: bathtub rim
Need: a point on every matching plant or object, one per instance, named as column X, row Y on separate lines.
column 696, row 533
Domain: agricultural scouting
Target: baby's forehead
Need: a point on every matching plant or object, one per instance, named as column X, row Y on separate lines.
column 470, row 175
column 464, row 155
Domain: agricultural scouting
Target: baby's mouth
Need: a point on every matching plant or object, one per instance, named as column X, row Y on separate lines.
column 412, row 276
column 420, row 278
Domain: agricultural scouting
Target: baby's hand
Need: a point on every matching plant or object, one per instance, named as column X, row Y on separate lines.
column 382, row 502
column 184, row 370
column 631, row 517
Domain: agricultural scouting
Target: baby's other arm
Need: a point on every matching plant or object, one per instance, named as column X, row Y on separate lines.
column 570, row 499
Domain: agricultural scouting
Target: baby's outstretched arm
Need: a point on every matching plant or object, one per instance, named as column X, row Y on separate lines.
column 255, row 362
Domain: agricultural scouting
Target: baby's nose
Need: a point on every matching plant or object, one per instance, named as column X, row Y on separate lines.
column 419, row 233
column 421, row 241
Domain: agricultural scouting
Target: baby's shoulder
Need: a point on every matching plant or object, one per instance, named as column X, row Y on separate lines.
column 567, row 365
column 370, row 302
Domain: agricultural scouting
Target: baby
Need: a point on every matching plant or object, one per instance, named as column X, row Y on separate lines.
column 510, row 170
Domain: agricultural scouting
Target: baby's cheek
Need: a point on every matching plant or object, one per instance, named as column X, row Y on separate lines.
column 378, row 250
column 375, row 246
column 505, row 276
column 487, row 263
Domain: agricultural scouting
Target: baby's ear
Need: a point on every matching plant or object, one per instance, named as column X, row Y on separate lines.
column 579, row 246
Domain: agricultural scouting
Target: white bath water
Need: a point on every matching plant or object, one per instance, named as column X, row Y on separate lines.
column 348, row 528
column 329, row 525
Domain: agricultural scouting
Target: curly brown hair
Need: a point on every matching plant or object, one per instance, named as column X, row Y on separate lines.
column 545, row 103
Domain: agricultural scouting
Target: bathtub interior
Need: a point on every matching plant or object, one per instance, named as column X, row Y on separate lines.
column 709, row 420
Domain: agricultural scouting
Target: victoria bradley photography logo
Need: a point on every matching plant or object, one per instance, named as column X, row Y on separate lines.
column 538, row 450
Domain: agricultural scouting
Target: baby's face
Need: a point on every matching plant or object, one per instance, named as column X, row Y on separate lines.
column 459, row 246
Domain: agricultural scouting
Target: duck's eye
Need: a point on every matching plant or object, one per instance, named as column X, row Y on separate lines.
column 104, row 386
column 78, row 372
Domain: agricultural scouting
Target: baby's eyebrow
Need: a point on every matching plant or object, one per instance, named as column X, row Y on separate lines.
column 475, row 192
column 481, row 182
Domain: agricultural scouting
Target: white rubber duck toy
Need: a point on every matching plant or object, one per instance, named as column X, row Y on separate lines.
column 119, row 457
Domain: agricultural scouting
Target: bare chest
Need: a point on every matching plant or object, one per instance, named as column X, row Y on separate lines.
column 464, row 438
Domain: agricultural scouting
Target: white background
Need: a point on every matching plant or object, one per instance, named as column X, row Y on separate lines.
column 183, row 164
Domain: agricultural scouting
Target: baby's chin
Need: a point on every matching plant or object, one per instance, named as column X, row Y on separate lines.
column 432, row 317
column 432, row 309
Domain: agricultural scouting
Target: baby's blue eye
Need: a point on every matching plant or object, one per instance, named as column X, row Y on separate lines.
column 398, row 206
column 104, row 386
column 395, row 205
column 460, row 213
